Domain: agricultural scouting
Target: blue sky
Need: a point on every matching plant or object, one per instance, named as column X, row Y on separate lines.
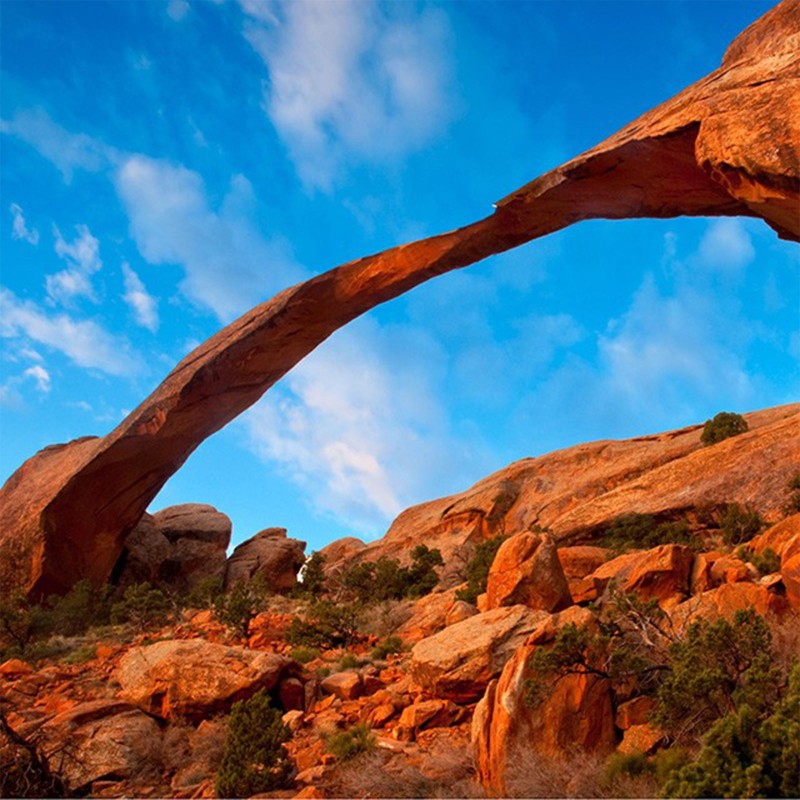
column 165, row 166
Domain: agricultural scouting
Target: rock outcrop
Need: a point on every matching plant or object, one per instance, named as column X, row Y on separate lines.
column 270, row 554
column 727, row 145
column 175, row 548
column 193, row 678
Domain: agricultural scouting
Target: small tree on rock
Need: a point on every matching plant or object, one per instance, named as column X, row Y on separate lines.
column 723, row 426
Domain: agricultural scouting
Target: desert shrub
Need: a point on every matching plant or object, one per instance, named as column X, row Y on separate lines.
column 753, row 751
column 631, row 531
column 343, row 745
column 717, row 666
column 739, row 525
column 328, row 625
column 254, row 759
column 766, row 562
column 391, row 645
column 304, row 654
column 143, row 606
column 350, row 661
column 384, row 579
column 313, row 581
column 631, row 764
column 723, row 426
column 80, row 655
column 21, row 623
column 24, row 769
column 237, row 607
column 81, row 608
column 478, row 569
column 204, row 594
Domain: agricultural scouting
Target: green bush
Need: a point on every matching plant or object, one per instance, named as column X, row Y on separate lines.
column 343, row 745
column 328, row 625
column 478, row 569
column 739, row 525
column 237, row 607
column 350, row 661
column 766, row 563
column 716, row 667
column 644, row 531
column 627, row 764
column 793, row 503
column 723, row 426
column 21, row 623
column 204, row 594
column 254, row 760
column 753, row 751
column 81, row 608
column 142, row 606
column 384, row 579
column 304, row 654
column 391, row 645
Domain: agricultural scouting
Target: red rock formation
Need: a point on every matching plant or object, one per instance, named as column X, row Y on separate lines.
column 727, row 145
column 271, row 554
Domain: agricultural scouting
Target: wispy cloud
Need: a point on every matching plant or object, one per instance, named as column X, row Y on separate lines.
column 40, row 376
column 229, row 266
column 726, row 246
column 177, row 9
column 82, row 256
column 19, row 227
column 355, row 81
column 85, row 342
column 360, row 426
column 144, row 305
column 67, row 151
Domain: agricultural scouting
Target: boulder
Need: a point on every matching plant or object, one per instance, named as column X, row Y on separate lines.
column 581, row 560
column 724, row 146
column 458, row 662
column 731, row 569
column 526, row 571
column 146, row 550
column 790, row 575
column 659, row 574
column 777, row 537
column 700, row 579
column 725, row 600
column 101, row 738
column 644, row 738
column 270, row 554
column 193, row 678
column 426, row 714
column 459, row 611
column 427, row 615
column 520, row 714
column 344, row 685
column 633, row 712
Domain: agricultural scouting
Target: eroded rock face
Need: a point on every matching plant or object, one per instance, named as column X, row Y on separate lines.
column 458, row 662
column 193, row 678
column 271, row 554
column 727, row 145
column 526, row 571
column 176, row 548
column 518, row 715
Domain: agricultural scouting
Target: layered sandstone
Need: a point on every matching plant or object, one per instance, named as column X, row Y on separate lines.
column 727, row 145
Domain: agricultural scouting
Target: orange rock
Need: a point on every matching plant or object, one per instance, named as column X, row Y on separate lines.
column 344, row 685
column 104, row 651
column 526, row 571
column 726, row 600
column 519, row 714
column 14, row 667
column 730, row 569
column 660, row 573
column 428, row 615
column 701, row 579
column 633, row 712
column 643, row 738
column 726, row 145
column 458, row 662
column 382, row 714
column 426, row 714
column 270, row 554
column 546, row 630
column 459, row 611
column 581, row 560
column 777, row 537
column 309, row 792
column 790, row 574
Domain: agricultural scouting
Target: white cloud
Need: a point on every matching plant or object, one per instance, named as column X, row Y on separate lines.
column 229, row 265
column 83, row 341
column 726, row 246
column 354, row 80
column 40, row 376
column 358, row 424
column 19, row 228
column 82, row 256
column 144, row 305
column 67, row 151
column 177, row 9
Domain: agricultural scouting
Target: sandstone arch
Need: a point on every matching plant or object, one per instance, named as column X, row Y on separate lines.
column 727, row 145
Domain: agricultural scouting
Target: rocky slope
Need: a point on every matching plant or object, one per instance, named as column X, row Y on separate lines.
column 577, row 492
column 727, row 145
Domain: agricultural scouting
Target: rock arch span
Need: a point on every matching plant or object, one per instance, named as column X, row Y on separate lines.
column 727, row 145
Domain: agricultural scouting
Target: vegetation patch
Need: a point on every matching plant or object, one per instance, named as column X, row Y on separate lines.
column 723, row 426
column 478, row 569
column 346, row 744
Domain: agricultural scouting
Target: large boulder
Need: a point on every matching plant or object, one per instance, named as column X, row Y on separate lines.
column 725, row 600
column 193, row 678
column 99, row 739
column 458, row 662
column 726, row 145
column 522, row 712
column 526, row 571
column 270, row 554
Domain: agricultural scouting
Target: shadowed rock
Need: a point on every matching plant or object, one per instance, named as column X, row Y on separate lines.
column 728, row 145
